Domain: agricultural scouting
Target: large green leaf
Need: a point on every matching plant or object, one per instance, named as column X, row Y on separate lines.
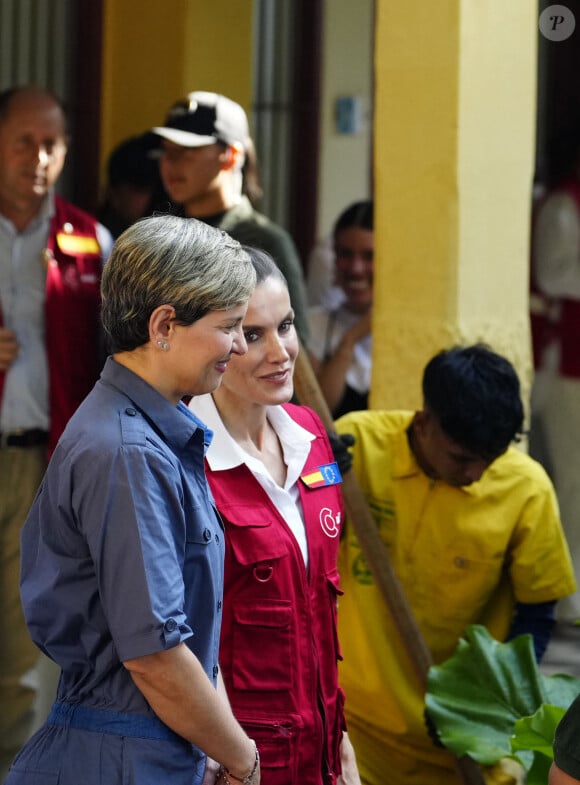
column 476, row 697
column 536, row 733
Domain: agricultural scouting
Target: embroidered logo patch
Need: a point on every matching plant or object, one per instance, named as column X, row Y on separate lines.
column 330, row 523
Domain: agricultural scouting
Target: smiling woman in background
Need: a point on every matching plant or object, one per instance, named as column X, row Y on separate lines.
column 122, row 552
column 271, row 469
column 340, row 339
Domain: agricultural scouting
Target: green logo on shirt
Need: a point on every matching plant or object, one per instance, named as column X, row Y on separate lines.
column 361, row 572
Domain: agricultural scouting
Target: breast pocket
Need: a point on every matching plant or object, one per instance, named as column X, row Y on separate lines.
column 252, row 535
column 463, row 583
column 257, row 556
column 203, row 555
column 202, row 521
column 199, row 535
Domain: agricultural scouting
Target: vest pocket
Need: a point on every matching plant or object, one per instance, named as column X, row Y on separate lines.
column 277, row 741
column 263, row 645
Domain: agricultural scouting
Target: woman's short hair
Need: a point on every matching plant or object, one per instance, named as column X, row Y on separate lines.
column 170, row 260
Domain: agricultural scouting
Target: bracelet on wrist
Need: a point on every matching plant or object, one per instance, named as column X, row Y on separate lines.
column 249, row 778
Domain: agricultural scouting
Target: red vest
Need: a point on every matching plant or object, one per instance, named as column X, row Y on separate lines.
column 279, row 645
column 544, row 311
column 569, row 326
column 566, row 330
column 72, row 312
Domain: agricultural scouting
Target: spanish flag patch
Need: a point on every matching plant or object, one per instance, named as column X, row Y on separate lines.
column 75, row 244
column 329, row 474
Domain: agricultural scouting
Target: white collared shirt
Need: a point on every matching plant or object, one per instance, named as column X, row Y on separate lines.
column 225, row 453
column 327, row 329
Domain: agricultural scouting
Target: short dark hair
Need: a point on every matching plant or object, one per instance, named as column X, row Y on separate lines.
column 474, row 394
column 132, row 161
column 359, row 214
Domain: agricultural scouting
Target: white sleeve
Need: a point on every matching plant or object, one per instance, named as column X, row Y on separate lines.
column 318, row 327
column 105, row 240
column 320, row 286
column 557, row 247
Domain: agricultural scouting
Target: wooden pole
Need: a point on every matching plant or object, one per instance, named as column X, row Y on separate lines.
column 360, row 517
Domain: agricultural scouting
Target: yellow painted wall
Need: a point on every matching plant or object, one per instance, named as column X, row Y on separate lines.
column 454, row 140
column 218, row 50
column 496, row 168
column 155, row 51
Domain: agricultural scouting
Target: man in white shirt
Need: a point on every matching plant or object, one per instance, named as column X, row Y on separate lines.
column 556, row 271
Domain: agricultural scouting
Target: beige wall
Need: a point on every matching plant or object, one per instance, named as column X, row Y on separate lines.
column 347, row 64
column 453, row 184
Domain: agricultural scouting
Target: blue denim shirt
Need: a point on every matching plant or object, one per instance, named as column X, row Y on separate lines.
column 122, row 552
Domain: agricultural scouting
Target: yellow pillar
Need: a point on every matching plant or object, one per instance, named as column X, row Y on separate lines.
column 454, row 151
column 155, row 52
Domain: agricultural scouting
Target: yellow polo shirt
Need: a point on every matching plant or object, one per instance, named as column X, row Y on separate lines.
column 461, row 554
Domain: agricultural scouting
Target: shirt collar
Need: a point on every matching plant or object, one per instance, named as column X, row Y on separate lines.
column 176, row 424
column 224, row 452
column 405, row 464
column 44, row 215
column 241, row 211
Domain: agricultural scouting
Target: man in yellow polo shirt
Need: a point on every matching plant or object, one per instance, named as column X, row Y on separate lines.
column 473, row 531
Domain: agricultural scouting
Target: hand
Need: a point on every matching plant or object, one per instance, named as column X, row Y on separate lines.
column 350, row 775
column 361, row 329
column 222, row 777
column 212, row 768
column 225, row 777
column 9, row 348
column 340, row 444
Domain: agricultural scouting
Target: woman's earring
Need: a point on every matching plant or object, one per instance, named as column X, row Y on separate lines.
column 163, row 345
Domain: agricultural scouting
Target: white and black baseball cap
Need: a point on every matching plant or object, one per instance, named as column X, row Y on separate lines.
column 203, row 118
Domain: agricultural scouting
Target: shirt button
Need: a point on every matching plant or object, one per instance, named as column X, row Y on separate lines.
column 215, row 671
column 206, row 535
column 217, row 538
column 461, row 562
column 130, row 412
column 170, row 625
column 219, row 606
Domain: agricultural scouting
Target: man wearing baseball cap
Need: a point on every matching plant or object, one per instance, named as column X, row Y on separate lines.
column 205, row 142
